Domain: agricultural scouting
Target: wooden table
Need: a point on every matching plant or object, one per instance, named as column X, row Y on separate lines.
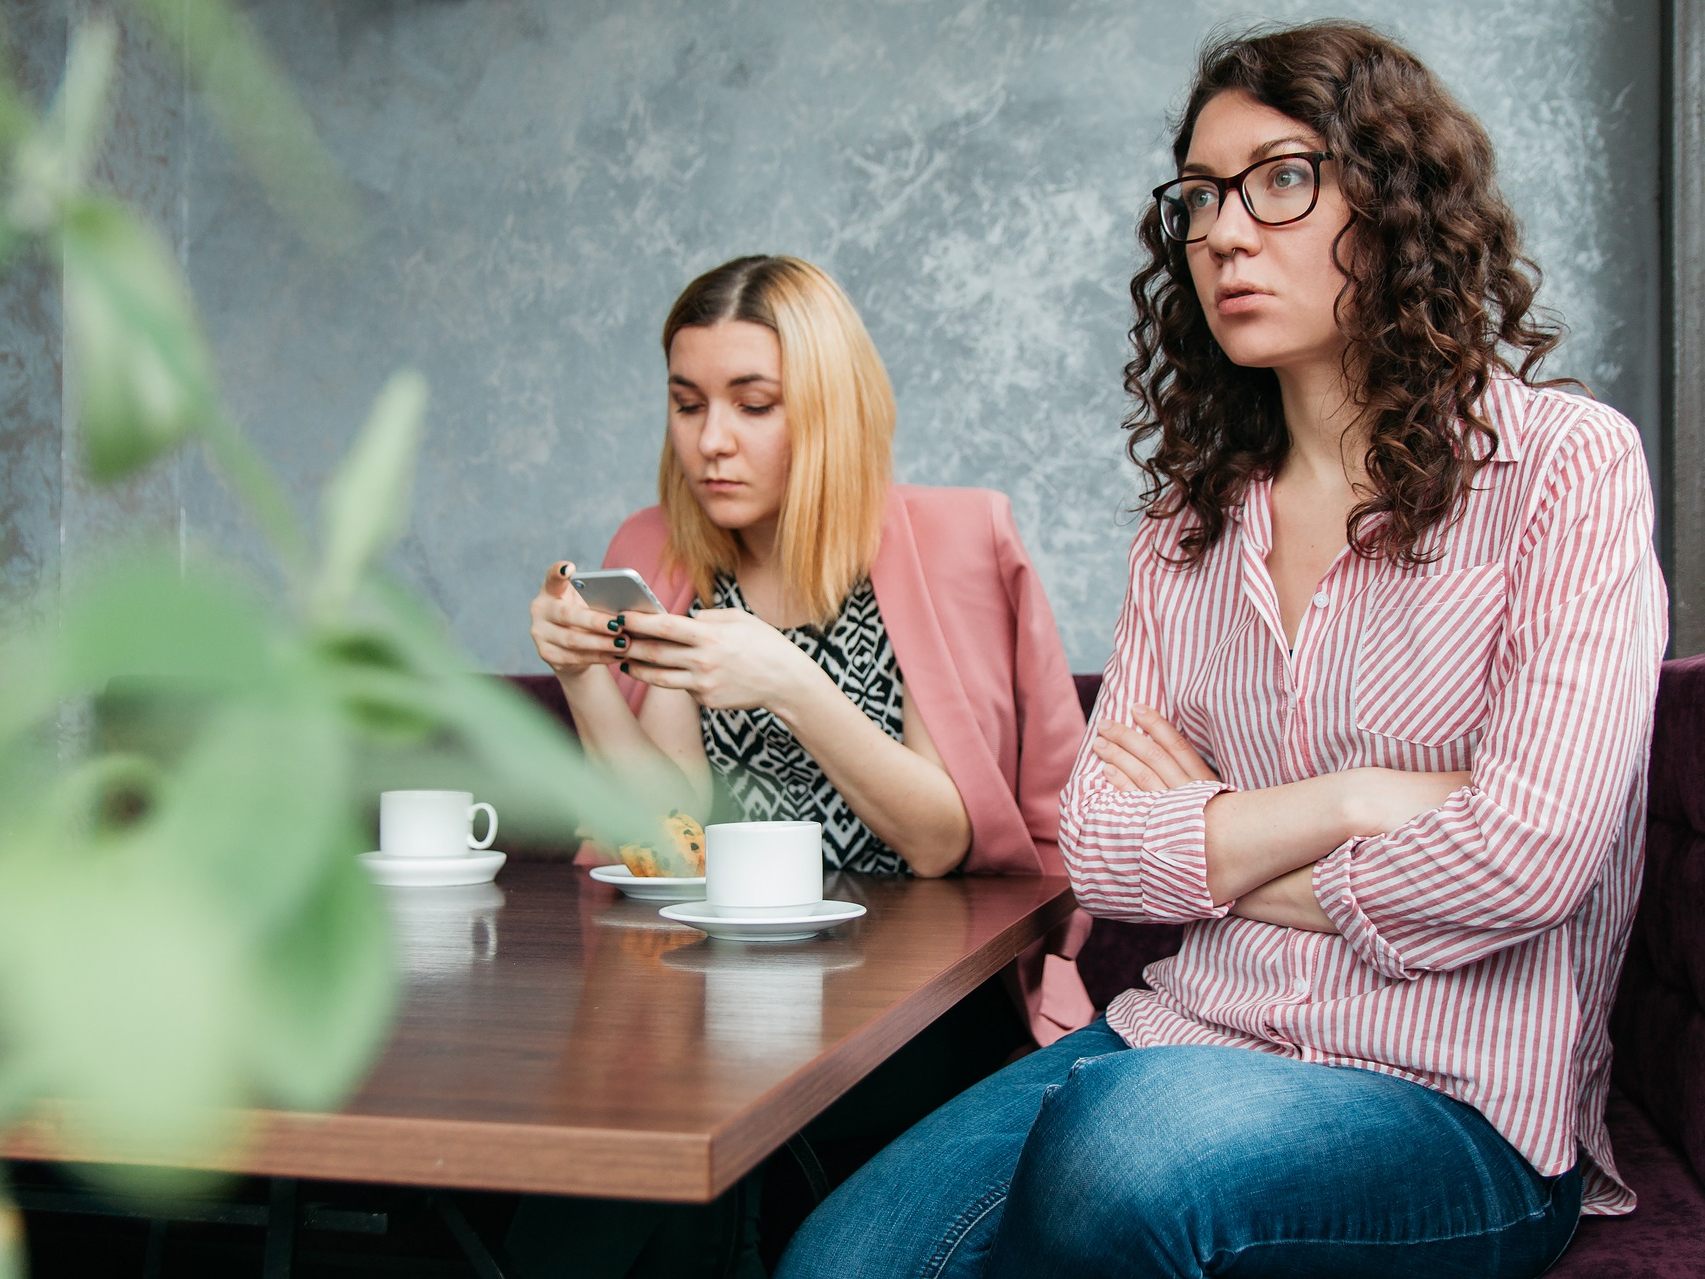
column 556, row 1037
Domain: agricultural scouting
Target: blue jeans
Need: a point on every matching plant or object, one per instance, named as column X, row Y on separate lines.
column 1092, row 1158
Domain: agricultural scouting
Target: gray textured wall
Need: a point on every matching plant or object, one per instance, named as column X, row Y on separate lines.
column 541, row 177
column 30, row 350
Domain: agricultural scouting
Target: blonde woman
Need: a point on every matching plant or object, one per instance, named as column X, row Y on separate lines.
column 879, row 657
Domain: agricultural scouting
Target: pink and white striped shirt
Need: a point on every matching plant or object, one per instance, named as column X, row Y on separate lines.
column 1479, row 944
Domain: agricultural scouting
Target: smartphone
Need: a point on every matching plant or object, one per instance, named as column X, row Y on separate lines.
column 616, row 590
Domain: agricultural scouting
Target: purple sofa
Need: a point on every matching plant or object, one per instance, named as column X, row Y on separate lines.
column 1657, row 1104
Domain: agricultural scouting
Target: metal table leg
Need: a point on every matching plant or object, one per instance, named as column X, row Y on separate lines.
column 473, row 1247
column 280, row 1229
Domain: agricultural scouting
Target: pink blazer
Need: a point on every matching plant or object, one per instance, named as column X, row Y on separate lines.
column 982, row 662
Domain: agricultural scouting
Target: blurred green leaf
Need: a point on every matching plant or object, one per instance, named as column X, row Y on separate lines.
column 366, row 503
column 525, row 752
column 122, row 987
column 146, row 630
column 261, row 117
column 255, row 810
column 184, row 928
column 394, row 662
column 142, row 374
column 51, row 160
column 521, row 752
column 375, row 688
column 80, row 111
column 17, row 121
column 322, row 991
column 28, row 768
column 100, row 794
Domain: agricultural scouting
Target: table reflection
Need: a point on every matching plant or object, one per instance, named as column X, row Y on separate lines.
column 441, row 933
column 757, row 994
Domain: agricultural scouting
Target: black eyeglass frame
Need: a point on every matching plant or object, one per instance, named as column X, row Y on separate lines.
column 1235, row 183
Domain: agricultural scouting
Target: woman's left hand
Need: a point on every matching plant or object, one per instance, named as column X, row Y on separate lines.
column 725, row 658
column 1152, row 755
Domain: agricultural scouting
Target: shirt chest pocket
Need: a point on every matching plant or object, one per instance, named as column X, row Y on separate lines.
column 1422, row 668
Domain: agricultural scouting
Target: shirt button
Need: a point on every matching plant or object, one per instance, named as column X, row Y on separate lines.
column 1300, row 986
column 1321, row 599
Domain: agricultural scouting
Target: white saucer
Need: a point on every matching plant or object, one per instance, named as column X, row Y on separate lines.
column 432, row 872
column 651, row 888
column 809, row 921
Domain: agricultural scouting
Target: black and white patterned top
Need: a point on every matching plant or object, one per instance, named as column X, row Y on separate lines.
column 769, row 775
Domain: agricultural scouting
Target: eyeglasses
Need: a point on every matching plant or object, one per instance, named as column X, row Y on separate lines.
column 1277, row 190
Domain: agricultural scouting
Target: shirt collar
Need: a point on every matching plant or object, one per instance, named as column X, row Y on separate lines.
column 1254, row 513
column 1502, row 407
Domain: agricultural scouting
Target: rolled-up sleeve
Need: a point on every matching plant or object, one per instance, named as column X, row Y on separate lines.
column 1516, row 852
column 1135, row 854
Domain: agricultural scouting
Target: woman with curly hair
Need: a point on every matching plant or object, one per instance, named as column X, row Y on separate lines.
column 1374, row 730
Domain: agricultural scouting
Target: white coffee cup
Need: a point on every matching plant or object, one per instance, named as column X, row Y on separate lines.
column 763, row 868
column 431, row 823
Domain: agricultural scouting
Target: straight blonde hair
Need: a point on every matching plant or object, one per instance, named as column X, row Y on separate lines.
column 840, row 420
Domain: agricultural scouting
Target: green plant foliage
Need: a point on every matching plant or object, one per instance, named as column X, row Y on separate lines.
column 260, row 116
column 190, row 753
column 366, row 503
column 321, row 993
column 49, row 159
column 15, row 118
column 143, row 374
column 79, row 112
column 198, row 933
column 535, row 776
column 132, row 1025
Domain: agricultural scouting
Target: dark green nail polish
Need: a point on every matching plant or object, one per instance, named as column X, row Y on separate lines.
column 624, row 668
column 614, row 624
column 621, row 619
column 621, row 641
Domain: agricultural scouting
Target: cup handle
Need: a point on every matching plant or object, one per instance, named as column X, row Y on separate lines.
column 491, row 825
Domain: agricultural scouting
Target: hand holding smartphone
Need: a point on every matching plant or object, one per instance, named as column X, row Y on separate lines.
column 616, row 590
column 575, row 635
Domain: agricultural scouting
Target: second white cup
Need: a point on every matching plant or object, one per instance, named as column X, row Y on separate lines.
column 432, row 823
column 763, row 868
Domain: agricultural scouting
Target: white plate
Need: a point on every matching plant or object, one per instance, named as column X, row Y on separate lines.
column 810, row 921
column 432, row 872
column 651, row 888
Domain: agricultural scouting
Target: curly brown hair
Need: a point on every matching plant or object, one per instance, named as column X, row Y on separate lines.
column 1437, row 291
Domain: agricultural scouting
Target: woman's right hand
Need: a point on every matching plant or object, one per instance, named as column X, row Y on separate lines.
column 571, row 637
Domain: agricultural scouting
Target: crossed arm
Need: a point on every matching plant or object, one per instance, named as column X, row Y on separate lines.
column 1261, row 845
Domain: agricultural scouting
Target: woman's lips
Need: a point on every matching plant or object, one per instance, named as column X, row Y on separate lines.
column 1239, row 303
column 721, row 486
